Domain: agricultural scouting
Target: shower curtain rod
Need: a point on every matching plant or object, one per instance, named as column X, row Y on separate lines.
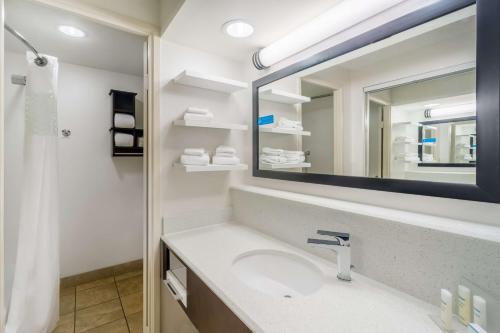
column 40, row 60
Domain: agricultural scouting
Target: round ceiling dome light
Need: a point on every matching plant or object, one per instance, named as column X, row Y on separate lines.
column 237, row 28
column 71, row 31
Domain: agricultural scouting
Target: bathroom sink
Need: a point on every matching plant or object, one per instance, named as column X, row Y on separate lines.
column 277, row 273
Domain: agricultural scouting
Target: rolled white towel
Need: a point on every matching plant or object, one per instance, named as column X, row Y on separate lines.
column 197, row 110
column 225, row 149
column 122, row 120
column 195, row 160
column 206, row 118
column 194, row 151
column 269, row 159
column 272, row 151
column 224, row 160
column 124, row 140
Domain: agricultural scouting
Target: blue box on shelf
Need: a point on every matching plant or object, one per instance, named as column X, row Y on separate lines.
column 265, row 120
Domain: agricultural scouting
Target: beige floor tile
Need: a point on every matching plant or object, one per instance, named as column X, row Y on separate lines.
column 66, row 304
column 135, row 322
column 97, row 295
column 93, row 284
column 132, row 303
column 66, row 324
column 119, row 326
column 98, row 315
column 128, row 275
column 129, row 286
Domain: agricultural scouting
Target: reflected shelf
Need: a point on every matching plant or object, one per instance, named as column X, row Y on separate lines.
column 283, row 131
column 217, row 125
column 210, row 167
column 281, row 96
column 265, row 166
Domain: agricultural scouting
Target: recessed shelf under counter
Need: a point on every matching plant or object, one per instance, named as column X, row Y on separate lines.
column 335, row 307
column 283, row 131
column 214, row 124
column 210, row 167
column 280, row 96
column 210, row 82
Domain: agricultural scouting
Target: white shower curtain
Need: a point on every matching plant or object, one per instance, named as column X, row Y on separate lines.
column 34, row 306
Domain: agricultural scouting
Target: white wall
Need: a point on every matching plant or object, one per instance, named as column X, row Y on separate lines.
column 183, row 193
column 460, row 209
column 100, row 196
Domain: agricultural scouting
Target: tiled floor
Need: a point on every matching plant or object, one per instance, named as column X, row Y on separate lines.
column 107, row 305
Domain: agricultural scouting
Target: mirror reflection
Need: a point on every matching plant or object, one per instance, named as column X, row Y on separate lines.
column 402, row 108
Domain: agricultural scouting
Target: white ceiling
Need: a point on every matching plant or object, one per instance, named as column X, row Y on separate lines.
column 102, row 48
column 198, row 23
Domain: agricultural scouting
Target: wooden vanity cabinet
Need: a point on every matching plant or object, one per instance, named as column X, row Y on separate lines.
column 204, row 308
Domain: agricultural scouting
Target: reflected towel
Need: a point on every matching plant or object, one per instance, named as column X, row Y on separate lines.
column 196, row 110
column 225, row 149
column 124, row 140
column 289, row 124
column 224, row 160
column 194, row 151
column 124, row 120
column 195, row 160
column 272, row 151
column 205, row 118
column 268, row 159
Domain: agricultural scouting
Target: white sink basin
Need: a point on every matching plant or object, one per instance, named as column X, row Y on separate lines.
column 278, row 273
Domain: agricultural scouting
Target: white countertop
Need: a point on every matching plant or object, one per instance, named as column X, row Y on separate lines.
column 360, row 306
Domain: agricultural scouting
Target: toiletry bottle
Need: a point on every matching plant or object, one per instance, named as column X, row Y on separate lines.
column 446, row 308
column 464, row 304
column 479, row 310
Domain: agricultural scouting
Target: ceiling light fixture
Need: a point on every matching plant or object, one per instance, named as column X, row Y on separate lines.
column 237, row 28
column 339, row 18
column 71, row 31
column 452, row 111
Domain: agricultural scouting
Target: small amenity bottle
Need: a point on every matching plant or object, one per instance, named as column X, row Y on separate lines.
column 446, row 308
column 479, row 310
column 464, row 305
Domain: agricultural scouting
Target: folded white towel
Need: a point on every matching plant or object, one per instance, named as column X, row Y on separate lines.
column 268, row 159
column 205, row 118
column 194, row 151
column 225, row 149
column 224, row 160
column 196, row 110
column 298, row 159
column 124, row 120
column 225, row 154
column 289, row 124
column 293, row 153
column 124, row 140
column 195, row 160
column 272, row 151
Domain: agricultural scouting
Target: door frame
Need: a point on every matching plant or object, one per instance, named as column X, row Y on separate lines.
column 151, row 167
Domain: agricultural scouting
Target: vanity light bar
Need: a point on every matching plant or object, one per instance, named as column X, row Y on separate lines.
column 463, row 110
column 339, row 18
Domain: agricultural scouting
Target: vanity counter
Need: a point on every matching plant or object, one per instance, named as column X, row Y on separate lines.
column 362, row 305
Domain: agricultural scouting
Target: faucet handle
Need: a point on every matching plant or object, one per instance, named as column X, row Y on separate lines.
column 342, row 235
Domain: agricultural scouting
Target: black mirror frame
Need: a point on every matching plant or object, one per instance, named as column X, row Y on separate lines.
column 487, row 188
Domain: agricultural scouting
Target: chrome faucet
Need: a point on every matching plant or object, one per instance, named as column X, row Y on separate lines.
column 341, row 245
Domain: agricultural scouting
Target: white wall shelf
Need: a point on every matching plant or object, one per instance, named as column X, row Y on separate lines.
column 210, row 82
column 280, row 96
column 284, row 131
column 210, row 167
column 265, row 166
column 214, row 124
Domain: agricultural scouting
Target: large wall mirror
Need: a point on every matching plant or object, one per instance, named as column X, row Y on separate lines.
column 412, row 106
